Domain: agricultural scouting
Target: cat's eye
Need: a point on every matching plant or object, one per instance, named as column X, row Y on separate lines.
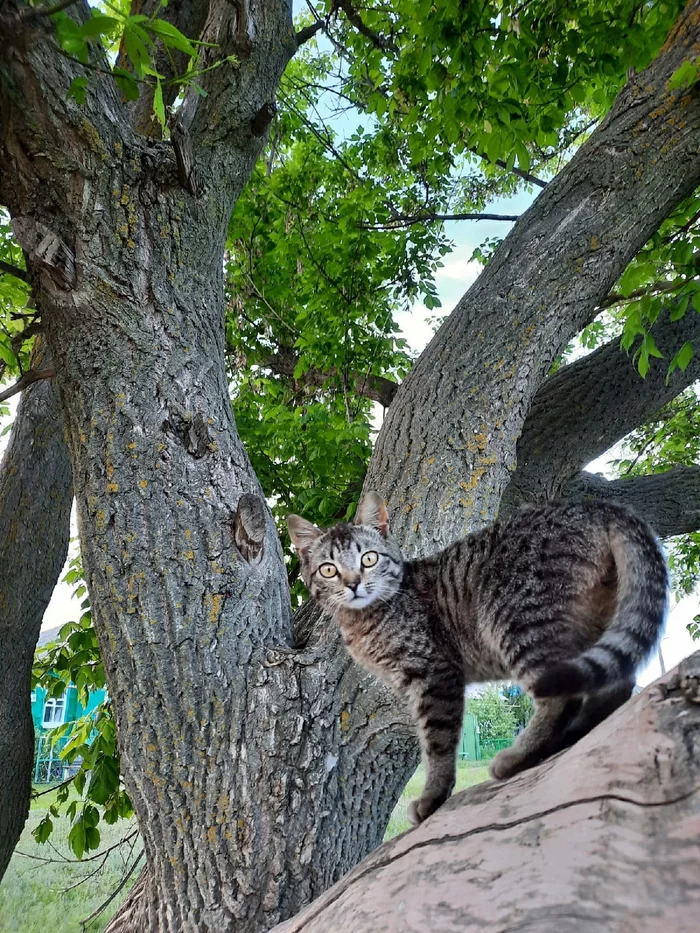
column 328, row 570
column 369, row 558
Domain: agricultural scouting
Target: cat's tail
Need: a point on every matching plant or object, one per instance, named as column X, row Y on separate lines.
column 637, row 621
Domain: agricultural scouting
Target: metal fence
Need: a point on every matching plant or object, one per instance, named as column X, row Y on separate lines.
column 48, row 765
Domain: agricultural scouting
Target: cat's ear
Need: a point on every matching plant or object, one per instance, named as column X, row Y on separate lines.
column 302, row 533
column 372, row 511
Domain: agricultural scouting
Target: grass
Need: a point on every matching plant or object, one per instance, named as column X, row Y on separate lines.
column 468, row 774
column 37, row 896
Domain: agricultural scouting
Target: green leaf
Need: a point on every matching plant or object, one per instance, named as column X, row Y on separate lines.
column 171, row 36
column 105, row 779
column 76, row 838
column 100, row 25
column 158, row 107
column 681, row 360
column 126, row 83
column 684, row 76
column 78, row 90
column 43, row 830
column 136, row 49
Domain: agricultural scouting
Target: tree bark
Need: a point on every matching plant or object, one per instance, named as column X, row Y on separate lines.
column 447, row 446
column 669, row 501
column 258, row 774
column 36, row 493
column 584, row 408
column 604, row 837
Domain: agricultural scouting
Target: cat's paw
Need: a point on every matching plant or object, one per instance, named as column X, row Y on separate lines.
column 423, row 807
column 415, row 813
column 506, row 763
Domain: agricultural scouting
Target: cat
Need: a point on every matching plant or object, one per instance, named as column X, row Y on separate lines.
column 566, row 599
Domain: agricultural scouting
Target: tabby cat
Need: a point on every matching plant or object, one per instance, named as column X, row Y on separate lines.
column 566, row 599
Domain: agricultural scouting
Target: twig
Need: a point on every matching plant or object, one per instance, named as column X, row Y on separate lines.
column 308, row 32
column 8, row 269
column 40, row 793
column 386, row 45
column 426, row 218
column 105, row 904
column 31, row 375
column 46, row 10
column 80, row 861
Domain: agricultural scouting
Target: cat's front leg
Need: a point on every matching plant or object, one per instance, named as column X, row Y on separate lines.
column 438, row 710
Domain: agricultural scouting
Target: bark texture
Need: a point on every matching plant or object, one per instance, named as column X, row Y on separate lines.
column 258, row 774
column 447, row 446
column 36, row 493
column 584, row 408
column 669, row 501
column 604, row 837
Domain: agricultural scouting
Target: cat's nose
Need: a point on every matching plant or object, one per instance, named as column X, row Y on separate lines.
column 352, row 584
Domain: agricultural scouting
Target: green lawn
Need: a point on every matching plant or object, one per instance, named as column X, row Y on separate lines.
column 468, row 774
column 34, row 895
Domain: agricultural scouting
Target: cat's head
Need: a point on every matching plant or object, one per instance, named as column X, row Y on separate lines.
column 349, row 566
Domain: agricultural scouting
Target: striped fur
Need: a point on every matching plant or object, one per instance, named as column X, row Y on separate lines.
column 566, row 599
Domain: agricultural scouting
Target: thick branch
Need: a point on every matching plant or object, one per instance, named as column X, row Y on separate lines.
column 32, row 375
column 35, row 499
column 448, row 443
column 8, row 269
column 379, row 41
column 586, row 407
column 377, row 388
column 669, row 501
column 624, row 803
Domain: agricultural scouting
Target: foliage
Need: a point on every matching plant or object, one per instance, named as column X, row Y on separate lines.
column 496, row 716
column 520, row 703
column 74, row 657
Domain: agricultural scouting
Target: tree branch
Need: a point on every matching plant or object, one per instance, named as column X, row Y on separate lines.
column 448, row 443
column 584, row 408
column 32, row 375
column 622, row 803
column 669, row 501
column 408, row 221
column 8, row 269
column 377, row 388
column 45, row 10
column 380, row 42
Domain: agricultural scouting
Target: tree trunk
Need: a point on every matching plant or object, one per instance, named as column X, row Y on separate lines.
column 603, row 837
column 36, row 493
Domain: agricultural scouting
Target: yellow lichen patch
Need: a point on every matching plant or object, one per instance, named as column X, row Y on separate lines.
column 112, row 487
column 594, row 244
column 345, row 721
column 188, row 534
column 211, row 834
column 188, row 555
column 214, row 602
column 143, row 483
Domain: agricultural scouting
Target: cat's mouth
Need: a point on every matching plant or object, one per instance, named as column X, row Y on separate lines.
column 357, row 600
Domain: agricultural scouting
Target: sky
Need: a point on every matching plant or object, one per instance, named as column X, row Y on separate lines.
column 453, row 279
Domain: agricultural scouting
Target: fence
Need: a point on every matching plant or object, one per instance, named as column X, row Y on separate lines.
column 48, row 766
column 473, row 748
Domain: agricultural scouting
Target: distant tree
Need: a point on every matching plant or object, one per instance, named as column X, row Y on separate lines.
column 495, row 715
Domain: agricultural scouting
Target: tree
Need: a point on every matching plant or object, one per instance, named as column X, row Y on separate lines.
column 494, row 714
column 241, row 729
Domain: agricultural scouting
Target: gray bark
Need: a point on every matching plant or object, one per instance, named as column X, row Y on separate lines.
column 584, row 408
column 35, row 501
column 599, row 839
column 669, row 501
column 447, row 446
column 260, row 773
